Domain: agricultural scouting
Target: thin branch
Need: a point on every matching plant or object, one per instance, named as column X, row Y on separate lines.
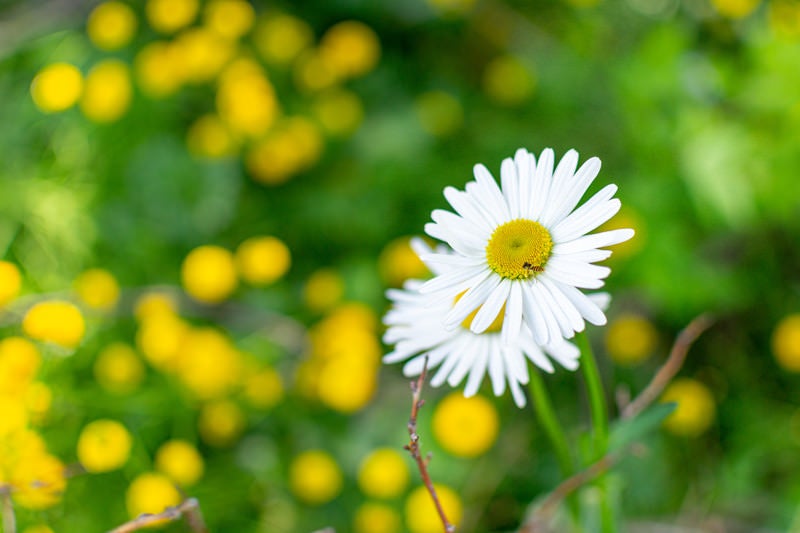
column 188, row 509
column 413, row 446
column 541, row 517
column 9, row 518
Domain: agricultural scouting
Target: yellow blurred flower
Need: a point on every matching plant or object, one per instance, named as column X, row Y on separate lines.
column 507, row 81
column 57, row 87
column 350, row 48
column 10, row 282
column 323, row 289
column 208, row 274
column 229, row 18
column 314, row 477
column 38, row 481
column 627, row 218
column 38, row 528
column 19, row 361
column 262, row 260
column 55, row 321
column 180, row 461
column 153, row 304
column 735, row 9
column 339, row 111
column 168, row 16
column 398, row 262
column 439, row 113
column 151, row 493
column 38, row 399
column 245, row 99
column 383, row 474
column 208, row 364
column 280, row 38
column 786, row 342
column 221, row 422
column 98, row 289
column 202, row 54
column 696, row 408
column 347, row 384
column 784, row 18
column 263, row 389
column 452, row 7
column 294, row 145
column 159, row 338
column 421, row 515
column 630, row 339
column 466, row 427
column 311, row 72
column 13, row 415
column 111, row 25
column 353, row 315
column 118, row 369
column 107, row 92
column 104, row 445
column 158, row 69
column 209, row 136
column 376, row 518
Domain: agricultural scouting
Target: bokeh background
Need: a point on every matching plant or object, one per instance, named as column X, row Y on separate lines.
column 203, row 201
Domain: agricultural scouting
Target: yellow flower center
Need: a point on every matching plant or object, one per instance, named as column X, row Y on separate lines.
column 494, row 327
column 519, row 249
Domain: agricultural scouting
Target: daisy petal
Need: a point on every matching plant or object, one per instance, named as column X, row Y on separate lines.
column 510, row 182
column 595, row 240
column 491, row 308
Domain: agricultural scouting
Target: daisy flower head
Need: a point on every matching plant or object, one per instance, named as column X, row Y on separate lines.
column 523, row 248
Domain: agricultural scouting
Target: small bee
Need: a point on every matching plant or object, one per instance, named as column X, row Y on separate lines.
column 532, row 268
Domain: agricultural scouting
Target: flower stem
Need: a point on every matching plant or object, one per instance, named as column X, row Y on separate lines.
column 597, row 400
column 547, row 417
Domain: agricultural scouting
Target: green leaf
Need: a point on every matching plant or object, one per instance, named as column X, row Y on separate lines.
column 625, row 432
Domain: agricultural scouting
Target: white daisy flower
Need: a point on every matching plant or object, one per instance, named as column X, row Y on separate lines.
column 525, row 247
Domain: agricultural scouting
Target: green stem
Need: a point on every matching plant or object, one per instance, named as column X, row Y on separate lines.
column 597, row 400
column 547, row 417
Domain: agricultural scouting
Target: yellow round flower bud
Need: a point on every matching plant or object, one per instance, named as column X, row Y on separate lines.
column 314, row 477
column 630, row 339
column 108, row 92
column 439, row 113
column 38, row 400
column 323, row 289
column 508, row 81
column 696, row 408
column 229, row 18
column 421, row 515
column 104, row 445
column 347, row 384
column 220, row 423
column 10, row 282
column 398, row 262
column 38, row 481
column 118, row 369
column 38, row 528
column 735, row 9
column 19, row 362
column 339, row 111
column 208, row 364
column 13, row 416
column 55, row 321
column 383, row 474
column 280, row 38
column 376, row 518
column 159, row 338
column 291, row 147
column 158, row 69
column 350, row 48
column 168, row 16
column 151, row 493
column 180, row 461
column 57, row 87
column 466, row 427
column 786, row 342
column 98, row 289
column 209, row 274
column 246, row 99
column 264, row 388
column 202, row 54
column 111, row 25
column 262, row 260
column 209, row 136
column 153, row 304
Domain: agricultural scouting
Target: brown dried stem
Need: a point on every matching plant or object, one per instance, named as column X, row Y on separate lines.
column 541, row 517
column 188, row 509
column 9, row 518
column 413, row 446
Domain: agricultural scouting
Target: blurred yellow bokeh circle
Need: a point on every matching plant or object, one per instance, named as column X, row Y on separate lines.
column 104, row 445
column 10, row 282
column 735, row 9
column 466, row 427
column 39, row 481
column 111, row 25
column 263, row 389
column 98, row 289
column 38, row 528
column 168, row 16
column 507, row 81
column 220, row 423
column 19, row 361
column 159, row 338
column 229, row 18
column 323, row 289
column 421, row 514
column 280, row 38
column 209, row 136
column 107, row 92
column 398, row 262
column 350, row 48
column 440, row 113
column 151, row 492
column 786, row 342
column 630, row 339
column 246, row 99
column 383, row 474
column 118, row 369
column 263, row 260
column 696, row 407
column 339, row 111
column 57, row 87
column 158, row 69
column 347, row 384
column 314, row 477
column 374, row 517
column 180, row 461
column 209, row 365
column 208, row 274
column 55, row 321
column 153, row 304
column 201, row 54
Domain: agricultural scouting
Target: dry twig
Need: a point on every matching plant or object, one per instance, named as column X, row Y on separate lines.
column 413, row 446
column 9, row 518
column 188, row 509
